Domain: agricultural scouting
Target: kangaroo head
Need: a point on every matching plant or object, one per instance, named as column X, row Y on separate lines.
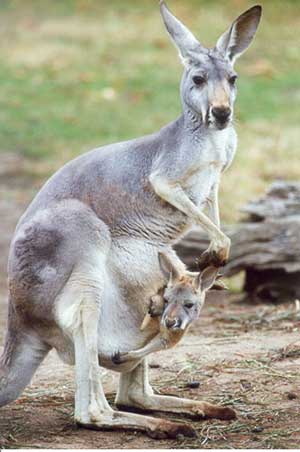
column 208, row 86
column 184, row 294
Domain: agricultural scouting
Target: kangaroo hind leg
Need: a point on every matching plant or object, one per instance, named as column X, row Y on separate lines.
column 91, row 407
column 135, row 392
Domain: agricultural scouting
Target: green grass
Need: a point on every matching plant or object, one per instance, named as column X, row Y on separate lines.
column 78, row 74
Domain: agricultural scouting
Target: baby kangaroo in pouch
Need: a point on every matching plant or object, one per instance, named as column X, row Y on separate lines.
column 173, row 308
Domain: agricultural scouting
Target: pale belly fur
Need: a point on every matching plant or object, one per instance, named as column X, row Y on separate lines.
column 131, row 276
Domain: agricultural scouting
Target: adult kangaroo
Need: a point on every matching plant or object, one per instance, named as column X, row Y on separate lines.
column 83, row 262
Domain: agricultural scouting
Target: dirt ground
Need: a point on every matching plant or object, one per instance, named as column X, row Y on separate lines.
column 245, row 356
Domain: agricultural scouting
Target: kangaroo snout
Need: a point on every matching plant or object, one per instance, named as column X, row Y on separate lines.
column 176, row 317
column 172, row 322
column 221, row 114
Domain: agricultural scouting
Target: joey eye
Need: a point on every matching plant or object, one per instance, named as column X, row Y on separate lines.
column 188, row 304
column 199, row 80
column 232, row 80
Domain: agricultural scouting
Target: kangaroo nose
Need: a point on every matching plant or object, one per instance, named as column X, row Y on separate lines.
column 170, row 323
column 221, row 113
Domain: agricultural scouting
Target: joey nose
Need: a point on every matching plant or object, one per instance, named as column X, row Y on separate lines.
column 221, row 114
column 171, row 322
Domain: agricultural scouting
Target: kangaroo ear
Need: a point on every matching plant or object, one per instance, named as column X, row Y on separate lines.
column 167, row 267
column 207, row 278
column 240, row 35
column 197, row 281
column 181, row 36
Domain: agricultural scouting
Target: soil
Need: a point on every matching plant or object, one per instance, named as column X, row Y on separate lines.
column 243, row 355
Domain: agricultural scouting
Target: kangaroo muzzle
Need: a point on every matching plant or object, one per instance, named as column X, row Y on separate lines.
column 176, row 317
column 221, row 116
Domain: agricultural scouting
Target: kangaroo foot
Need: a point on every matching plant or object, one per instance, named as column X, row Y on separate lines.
column 184, row 407
column 154, row 427
column 219, row 412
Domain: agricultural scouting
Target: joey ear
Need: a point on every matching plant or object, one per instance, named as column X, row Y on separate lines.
column 197, row 281
column 239, row 36
column 167, row 267
column 181, row 36
column 208, row 277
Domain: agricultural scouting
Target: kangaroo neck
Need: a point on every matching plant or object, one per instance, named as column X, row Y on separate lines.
column 194, row 127
column 188, row 130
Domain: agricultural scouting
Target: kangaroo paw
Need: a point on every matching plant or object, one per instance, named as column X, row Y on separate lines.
column 120, row 358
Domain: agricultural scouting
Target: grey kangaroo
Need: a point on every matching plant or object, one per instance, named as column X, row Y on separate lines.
column 83, row 261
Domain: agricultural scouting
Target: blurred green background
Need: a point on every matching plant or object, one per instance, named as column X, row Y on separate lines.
column 78, row 74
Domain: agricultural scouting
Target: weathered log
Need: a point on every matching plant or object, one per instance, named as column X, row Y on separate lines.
column 266, row 247
column 282, row 200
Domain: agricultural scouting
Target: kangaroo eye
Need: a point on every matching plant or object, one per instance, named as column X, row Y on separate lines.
column 232, row 80
column 199, row 80
column 189, row 305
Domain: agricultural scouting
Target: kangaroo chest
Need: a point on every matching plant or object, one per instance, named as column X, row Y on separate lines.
column 206, row 170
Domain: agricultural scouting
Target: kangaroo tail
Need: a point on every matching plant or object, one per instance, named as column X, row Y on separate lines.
column 23, row 353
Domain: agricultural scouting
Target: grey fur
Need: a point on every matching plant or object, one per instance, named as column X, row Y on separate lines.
column 126, row 202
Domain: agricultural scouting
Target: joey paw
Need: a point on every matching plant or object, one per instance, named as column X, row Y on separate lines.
column 116, row 358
